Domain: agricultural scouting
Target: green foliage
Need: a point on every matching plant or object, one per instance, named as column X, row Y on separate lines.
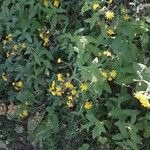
column 74, row 75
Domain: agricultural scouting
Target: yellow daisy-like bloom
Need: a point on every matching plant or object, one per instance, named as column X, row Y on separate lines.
column 59, row 60
column 58, row 91
column 4, row 77
column 110, row 32
column 56, row 3
column 88, row 105
column 113, row 73
column 142, row 99
column 23, row 114
column 84, row 87
column 104, row 74
column 18, row 85
column 126, row 17
column 109, row 15
column 69, row 85
column 107, row 53
column 69, row 104
column 95, row 6
column 70, row 98
column 60, row 77
column 74, row 92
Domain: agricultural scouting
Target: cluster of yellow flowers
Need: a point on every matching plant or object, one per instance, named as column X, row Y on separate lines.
column 109, row 14
column 109, row 75
column 18, row 85
column 55, row 3
column 65, row 86
column 143, row 99
column 45, row 37
column 15, row 49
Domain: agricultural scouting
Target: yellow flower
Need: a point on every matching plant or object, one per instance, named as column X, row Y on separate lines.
column 52, row 86
column 107, row 53
column 70, row 98
column 9, row 37
column 60, row 77
column 23, row 114
column 7, row 54
column 84, row 87
column 41, row 35
column 88, row 105
column 142, row 99
column 73, row 92
column 58, row 91
column 109, row 15
column 95, row 6
column 69, row 104
column 104, row 74
column 109, row 1
column 23, row 45
column 53, row 93
column 4, row 77
column 47, row 32
column 113, row 73
column 69, row 85
column 46, row 40
column 56, row 3
column 18, row 85
column 109, row 79
column 126, row 17
column 46, row 3
column 59, row 60
column 110, row 32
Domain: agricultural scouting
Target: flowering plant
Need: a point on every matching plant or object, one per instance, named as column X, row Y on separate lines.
column 74, row 75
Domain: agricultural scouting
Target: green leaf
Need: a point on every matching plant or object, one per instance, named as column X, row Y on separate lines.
column 118, row 137
column 122, row 127
column 84, row 147
column 132, row 144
